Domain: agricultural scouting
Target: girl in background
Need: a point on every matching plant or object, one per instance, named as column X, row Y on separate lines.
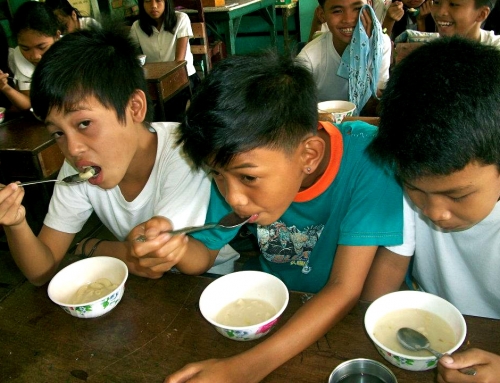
column 36, row 29
column 69, row 17
column 163, row 34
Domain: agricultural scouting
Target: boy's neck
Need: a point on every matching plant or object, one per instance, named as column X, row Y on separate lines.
column 340, row 47
column 141, row 166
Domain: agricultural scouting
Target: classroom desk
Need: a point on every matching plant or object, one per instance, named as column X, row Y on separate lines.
column 29, row 153
column 157, row 328
column 165, row 80
column 228, row 18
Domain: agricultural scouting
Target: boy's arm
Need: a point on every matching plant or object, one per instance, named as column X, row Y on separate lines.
column 308, row 324
column 394, row 13
column 386, row 275
column 38, row 258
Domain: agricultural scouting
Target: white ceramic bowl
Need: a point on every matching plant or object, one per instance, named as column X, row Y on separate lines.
column 2, row 114
column 414, row 300
column 337, row 108
column 64, row 285
column 243, row 285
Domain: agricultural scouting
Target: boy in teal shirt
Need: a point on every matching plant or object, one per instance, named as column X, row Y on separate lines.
column 319, row 206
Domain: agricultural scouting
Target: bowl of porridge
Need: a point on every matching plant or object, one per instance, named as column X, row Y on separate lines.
column 90, row 287
column 440, row 321
column 244, row 305
column 335, row 110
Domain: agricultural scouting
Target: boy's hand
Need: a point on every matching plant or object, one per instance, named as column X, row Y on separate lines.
column 161, row 251
column 486, row 364
column 424, row 11
column 395, row 11
column 208, row 371
column 4, row 80
column 367, row 21
column 12, row 213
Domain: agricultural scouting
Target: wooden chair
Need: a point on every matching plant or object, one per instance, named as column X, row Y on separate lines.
column 201, row 48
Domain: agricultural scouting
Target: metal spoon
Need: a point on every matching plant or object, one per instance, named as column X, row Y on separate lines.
column 72, row 179
column 229, row 221
column 415, row 341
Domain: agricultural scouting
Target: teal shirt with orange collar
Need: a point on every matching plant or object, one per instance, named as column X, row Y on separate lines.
column 354, row 203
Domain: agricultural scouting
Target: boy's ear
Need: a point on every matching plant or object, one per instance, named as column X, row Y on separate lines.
column 482, row 13
column 321, row 14
column 313, row 152
column 138, row 105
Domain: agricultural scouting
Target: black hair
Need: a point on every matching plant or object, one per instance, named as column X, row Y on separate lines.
column 441, row 109
column 169, row 18
column 35, row 16
column 63, row 6
column 487, row 3
column 99, row 61
column 262, row 100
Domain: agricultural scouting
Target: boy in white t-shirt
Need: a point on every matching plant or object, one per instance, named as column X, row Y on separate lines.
column 439, row 130
column 100, row 120
column 325, row 55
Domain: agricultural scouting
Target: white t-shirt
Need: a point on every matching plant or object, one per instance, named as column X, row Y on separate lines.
column 160, row 46
column 86, row 22
column 489, row 38
column 322, row 59
column 22, row 69
column 173, row 190
column 462, row 267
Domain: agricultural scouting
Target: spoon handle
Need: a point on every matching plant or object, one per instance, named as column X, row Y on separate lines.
column 36, row 182
column 468, row 371
column 185, row 230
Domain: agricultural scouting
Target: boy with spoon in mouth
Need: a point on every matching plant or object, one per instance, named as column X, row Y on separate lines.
column 322, row 206
column 97, row 110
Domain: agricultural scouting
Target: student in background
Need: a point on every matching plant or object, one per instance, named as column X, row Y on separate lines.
column 351, row 61
column 70, row 18
column 319, row 205
column 463, row 19
column 163, row 34
column 408, row 14
column 439, row 131
column 99, row 119
column 36, row 29
column 318, row 25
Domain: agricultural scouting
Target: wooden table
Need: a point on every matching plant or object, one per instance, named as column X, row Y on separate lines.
column 28, row 153
column 225, row 20
column 165, row 80
column 157, row 328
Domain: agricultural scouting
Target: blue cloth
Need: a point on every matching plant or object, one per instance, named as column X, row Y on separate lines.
column 361, row 206
column 361, row 61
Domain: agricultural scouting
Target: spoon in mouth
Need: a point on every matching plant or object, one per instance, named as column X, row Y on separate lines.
column 229, row 221
column 415, row 341
column 88, row 172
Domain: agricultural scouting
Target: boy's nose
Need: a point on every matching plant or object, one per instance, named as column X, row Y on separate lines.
column 436, row 211
column 75, row 148
column 234, row 196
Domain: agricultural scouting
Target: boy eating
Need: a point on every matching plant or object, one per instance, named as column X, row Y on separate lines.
column 319, row 205
column 439, row 130
column 91, row 92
